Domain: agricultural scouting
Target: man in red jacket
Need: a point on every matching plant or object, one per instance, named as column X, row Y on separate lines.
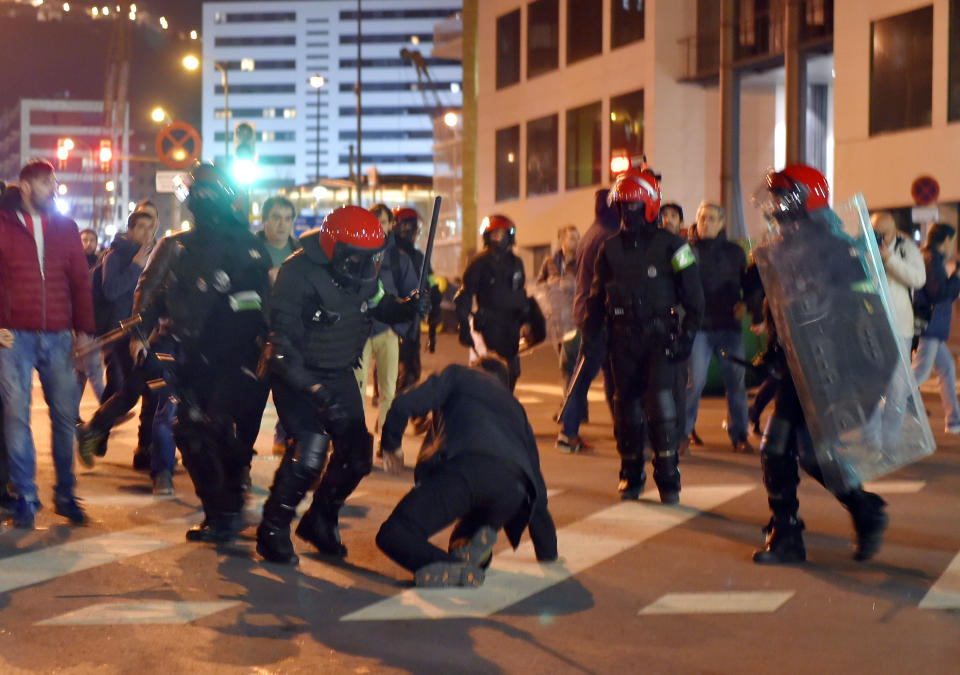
column 45, row 300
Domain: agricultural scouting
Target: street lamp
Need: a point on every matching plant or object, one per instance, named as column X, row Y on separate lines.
column 158, row 115
column 191, row 62
column 317, row 82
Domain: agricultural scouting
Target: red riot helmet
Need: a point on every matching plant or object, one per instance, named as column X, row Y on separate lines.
column 498, row 222
column 638, row 185
column 353, row 240
column 798, row 187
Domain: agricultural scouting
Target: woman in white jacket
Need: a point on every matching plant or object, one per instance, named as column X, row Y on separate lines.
column 906, row 273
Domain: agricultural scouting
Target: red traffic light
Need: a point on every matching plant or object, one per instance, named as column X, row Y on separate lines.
column 106, row 152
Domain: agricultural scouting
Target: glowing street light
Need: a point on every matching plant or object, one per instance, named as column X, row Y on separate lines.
column 191, row 62
column 110, row 186
column 451, row 119
column 158, row 114
column 62, row 189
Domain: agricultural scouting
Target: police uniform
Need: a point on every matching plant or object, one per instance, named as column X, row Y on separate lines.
column 647, row 295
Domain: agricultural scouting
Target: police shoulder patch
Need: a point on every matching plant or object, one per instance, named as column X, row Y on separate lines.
column 682, row 258
column 376, row 297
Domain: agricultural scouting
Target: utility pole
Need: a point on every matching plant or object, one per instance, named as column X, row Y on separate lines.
column 359, row 175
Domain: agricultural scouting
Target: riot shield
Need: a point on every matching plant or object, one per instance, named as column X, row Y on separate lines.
column 828, row 293
column 555, row 298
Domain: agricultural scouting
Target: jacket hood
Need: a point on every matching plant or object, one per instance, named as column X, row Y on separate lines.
column 310, row 241
column 605, row 215
column 11, row 200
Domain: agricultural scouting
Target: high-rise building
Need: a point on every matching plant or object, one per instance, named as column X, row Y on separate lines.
column 268, row 53
column 94, row 193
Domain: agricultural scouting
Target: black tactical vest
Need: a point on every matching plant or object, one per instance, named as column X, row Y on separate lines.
column 641, row 286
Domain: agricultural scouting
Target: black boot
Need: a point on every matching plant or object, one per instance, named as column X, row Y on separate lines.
column 300, row 467
column 667, row 476
column 632, row 479
column 784, row 543
column 869, row 521
column 220, row 528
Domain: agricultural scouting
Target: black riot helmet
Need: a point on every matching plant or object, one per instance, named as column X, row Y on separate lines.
column 211, row 197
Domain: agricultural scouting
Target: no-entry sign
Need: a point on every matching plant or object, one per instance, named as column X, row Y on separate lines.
column 178, row 145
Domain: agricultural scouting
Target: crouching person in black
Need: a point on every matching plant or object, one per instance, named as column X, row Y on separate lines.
column 321, row 312
column 479, row 467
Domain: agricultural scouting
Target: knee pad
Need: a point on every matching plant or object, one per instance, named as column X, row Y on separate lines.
column 630, row 421
column 777, row 438
column 311, row 451
column 664, row 430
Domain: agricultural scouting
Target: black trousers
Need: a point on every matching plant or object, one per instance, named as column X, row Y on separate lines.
column 409, row 362
column 475, row 490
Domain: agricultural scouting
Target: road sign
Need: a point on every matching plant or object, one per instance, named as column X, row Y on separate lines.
column 925, row 190
column 178, row 145
column 165, row 180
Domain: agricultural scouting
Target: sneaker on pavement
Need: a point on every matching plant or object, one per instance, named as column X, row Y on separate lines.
column 69, row 508
column 478, row 549
column 163, row 483
column 572, row 445
column 88, row 442
column 953, row 429
column 744, row 447
column 695, row 439
column 24, row 512
column 445, row 574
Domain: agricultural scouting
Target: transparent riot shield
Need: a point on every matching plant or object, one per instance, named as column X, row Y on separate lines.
column 828, row 293
column 555, row 298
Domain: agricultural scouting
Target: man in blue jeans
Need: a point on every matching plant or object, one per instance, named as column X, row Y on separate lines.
column 723, row 266
column 46, row 299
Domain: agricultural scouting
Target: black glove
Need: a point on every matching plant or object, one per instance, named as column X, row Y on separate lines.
column 419, row 302
column 333, row 415
column 679, row 347
column 466, row 339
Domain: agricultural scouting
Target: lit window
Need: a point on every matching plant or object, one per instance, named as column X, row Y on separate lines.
column 247, row 64
column 268, row 136
column 269, row 112
column 289, row 113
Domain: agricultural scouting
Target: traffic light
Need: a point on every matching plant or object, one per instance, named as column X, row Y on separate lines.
column 245, row 141
column 244, row 153
column 105, row 155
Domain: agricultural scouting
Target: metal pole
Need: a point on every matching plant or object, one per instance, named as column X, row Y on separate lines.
column 226, row 111
column 359, row 102
column 317, row 152
column 795, row 84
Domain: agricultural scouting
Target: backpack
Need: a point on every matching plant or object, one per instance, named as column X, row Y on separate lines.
column 102, row 308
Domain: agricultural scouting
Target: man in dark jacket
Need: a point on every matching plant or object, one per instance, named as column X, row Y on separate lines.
column 46, row 300
column 277, row 215
column 321, row 310
column 479, row 466
column 88, row 237
column 496, row 278
column 605, row 224
column 114, row 282
column 722, row 265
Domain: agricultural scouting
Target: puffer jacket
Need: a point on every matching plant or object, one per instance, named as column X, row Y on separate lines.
column 58, row 296
column 905, row 273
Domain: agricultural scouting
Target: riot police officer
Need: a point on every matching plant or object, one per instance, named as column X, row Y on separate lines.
column 210, row 282
column 321, row 311
column 647, row 302
column 495, row 277
column 799, row 197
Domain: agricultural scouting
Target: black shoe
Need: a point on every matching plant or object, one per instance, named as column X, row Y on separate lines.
column 221, row 529
column 695, row 439
column 101, row 450
column 478, row 550
column 141, row 459
column 870, row 521
column 274, row 544
column 629, row 490
column 784, row 543
column 669, row 497
column 69, row 508
column 322, row 532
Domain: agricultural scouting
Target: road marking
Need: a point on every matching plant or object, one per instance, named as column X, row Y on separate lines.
column 26, row 569
column 730, row 602
column 529, row 400
column 594, row 394
column 125, row 500
column 895, row 487
column 148, row 611
column 945, row 593
column 515, row 575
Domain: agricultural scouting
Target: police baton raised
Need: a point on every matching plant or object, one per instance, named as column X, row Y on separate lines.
column 577, row 374
column 126, row 327
column 430, row 237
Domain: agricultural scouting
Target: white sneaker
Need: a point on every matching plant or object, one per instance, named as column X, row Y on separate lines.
column 953, row 429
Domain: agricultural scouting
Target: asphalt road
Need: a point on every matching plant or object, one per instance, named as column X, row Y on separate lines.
column 640, row 587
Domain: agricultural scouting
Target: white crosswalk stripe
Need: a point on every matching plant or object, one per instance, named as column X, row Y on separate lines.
column 516, row 575
column 945, row 593
column 729, row 602
column 148, row 611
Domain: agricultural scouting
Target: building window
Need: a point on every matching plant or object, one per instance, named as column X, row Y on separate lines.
column 583, row 146
column 271, row 41
column 508, row 163
column 626, row 125
column 901, row 71
column 953, row 93
column 542, row 155
column 289, row 113
column 269, row 112
column 626, row 22
column 543, row 37
column 584, row 30
column 508, row 49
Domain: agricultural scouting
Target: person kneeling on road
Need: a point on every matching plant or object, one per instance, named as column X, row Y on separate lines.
column 479, row 466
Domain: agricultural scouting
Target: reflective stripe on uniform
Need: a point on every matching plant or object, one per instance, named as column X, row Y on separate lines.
column 378, row 296
column 682, row 258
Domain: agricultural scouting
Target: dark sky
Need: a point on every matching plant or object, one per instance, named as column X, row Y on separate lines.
column 57, row 58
